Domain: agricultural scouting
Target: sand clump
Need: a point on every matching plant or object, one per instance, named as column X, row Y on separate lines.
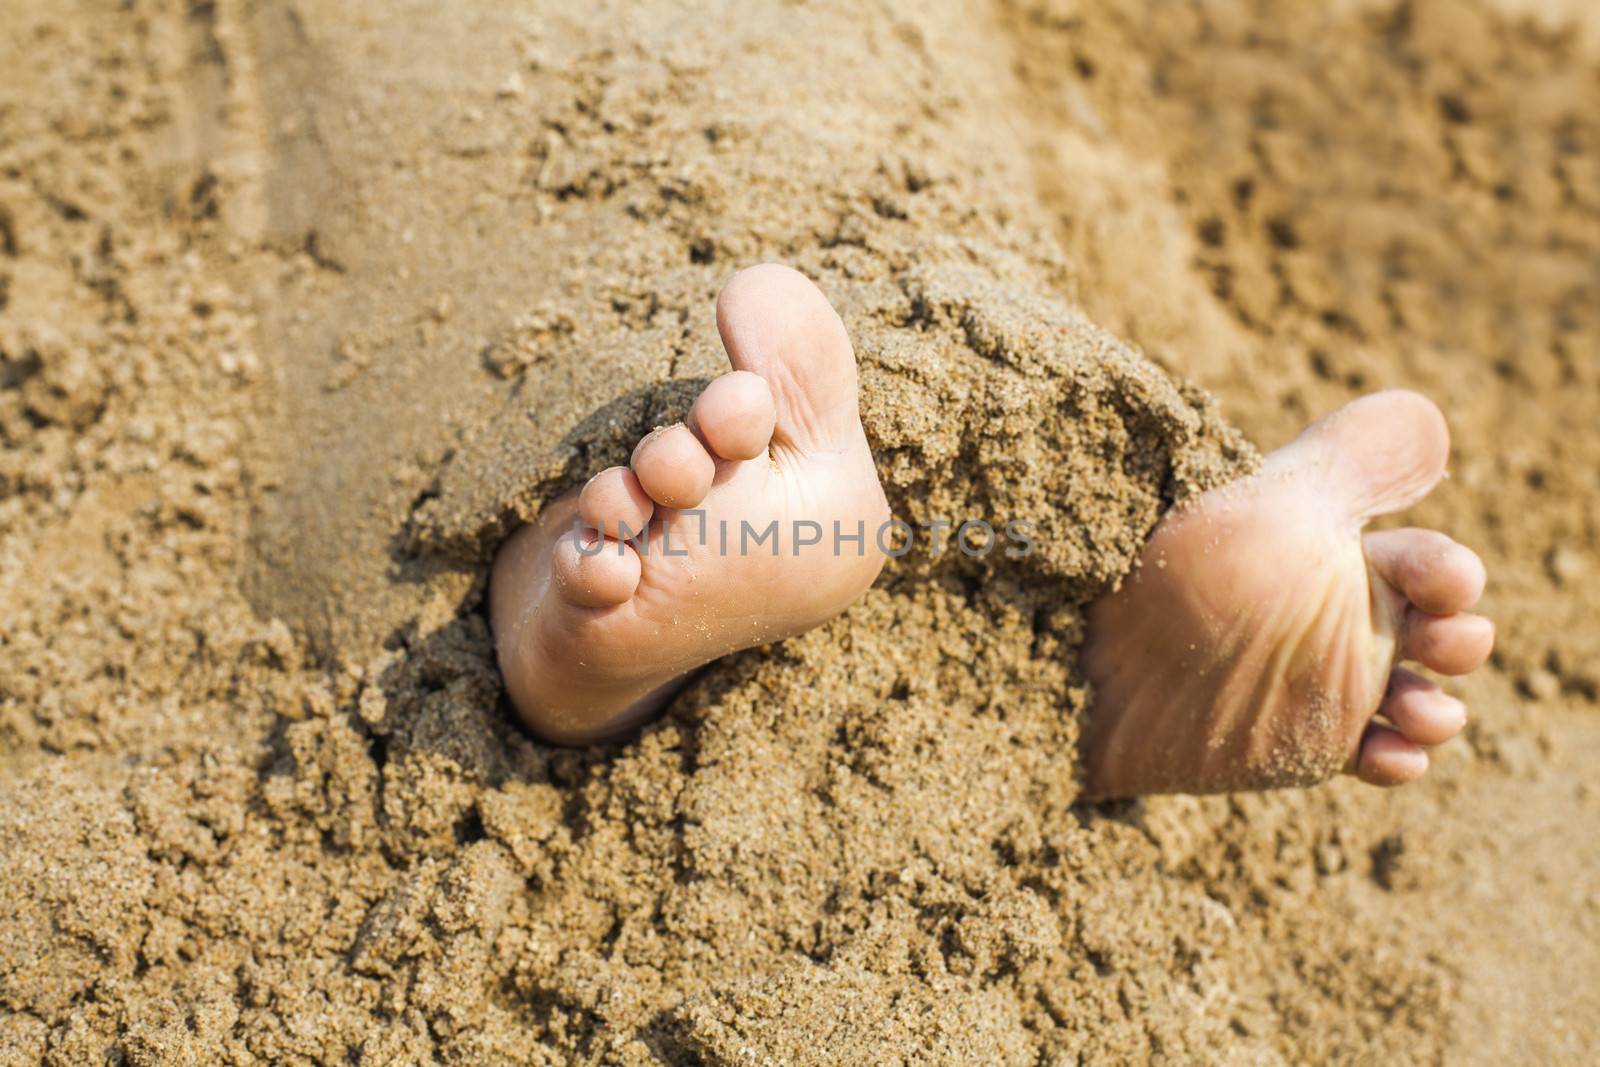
column 301, row 306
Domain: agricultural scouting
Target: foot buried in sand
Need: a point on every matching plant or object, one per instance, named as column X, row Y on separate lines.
column 1255, row 646
column 594, row 633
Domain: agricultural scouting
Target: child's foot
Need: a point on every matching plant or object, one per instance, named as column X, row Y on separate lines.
column 1256, row 643
column 594, row 635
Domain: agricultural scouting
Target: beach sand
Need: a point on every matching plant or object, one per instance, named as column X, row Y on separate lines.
column 303, row 306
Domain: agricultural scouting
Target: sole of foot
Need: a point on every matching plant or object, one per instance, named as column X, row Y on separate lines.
column 735, row 528
column 1256, row 645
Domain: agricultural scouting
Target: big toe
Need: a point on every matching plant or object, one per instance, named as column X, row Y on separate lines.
column 1375, row 455
column 776, row 324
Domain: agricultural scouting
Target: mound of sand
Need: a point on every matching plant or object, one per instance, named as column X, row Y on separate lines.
column 303, row 305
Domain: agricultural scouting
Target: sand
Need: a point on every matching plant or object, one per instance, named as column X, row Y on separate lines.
column 303, row 305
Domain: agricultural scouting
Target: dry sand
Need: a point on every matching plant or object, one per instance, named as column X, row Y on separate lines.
column 301, row 305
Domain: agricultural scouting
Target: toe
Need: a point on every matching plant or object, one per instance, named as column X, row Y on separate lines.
column 1378, row 454
column 1435, row 573
column 614, row 503
column 776, row 324
column 593, row 571
column 1449, row 644
column 673, row 467
column 1420, row 710
column 1386, row 758
column 735, row 415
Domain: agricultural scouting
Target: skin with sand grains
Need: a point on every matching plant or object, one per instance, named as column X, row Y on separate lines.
column 1255, row 647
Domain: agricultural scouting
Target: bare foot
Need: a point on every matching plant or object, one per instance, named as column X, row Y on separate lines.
column 595, row 634
column 1255, row 646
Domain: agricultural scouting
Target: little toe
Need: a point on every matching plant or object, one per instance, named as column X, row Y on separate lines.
column 1438, row 575
column 1420, row 710
column 1449, row 644
column 1388, row 759
column 592, row 571
column 673, row 467
column 614, row 503
column 735, row 415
